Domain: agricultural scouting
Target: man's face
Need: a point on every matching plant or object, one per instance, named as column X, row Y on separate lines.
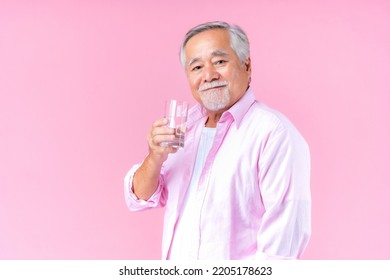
column 217, row 78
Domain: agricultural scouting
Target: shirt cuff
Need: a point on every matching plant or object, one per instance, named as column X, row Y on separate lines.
column 132, row 201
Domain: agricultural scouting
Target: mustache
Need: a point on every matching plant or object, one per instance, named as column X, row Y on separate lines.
column 207, row 86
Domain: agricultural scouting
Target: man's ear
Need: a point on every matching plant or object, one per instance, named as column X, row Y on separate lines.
column 248, row 65
column 248, row 69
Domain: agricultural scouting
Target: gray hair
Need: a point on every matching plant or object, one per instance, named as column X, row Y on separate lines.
column 238, row 40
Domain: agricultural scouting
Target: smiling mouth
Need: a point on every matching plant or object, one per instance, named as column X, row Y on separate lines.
column 212, row 86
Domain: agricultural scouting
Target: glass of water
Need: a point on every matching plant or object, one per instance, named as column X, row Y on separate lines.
column 176, row 113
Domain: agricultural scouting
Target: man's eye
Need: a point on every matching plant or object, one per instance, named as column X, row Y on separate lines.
column 220, row 62
column 196, row 68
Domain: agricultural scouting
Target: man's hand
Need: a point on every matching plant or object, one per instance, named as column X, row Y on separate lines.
column 157, row 134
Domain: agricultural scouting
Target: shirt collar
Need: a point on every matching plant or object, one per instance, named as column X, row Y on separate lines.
column 237, row 111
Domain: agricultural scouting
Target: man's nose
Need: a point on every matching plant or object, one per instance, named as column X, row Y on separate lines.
column 210, row 74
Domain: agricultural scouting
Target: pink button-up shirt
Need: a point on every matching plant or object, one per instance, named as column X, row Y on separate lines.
column 253, row 196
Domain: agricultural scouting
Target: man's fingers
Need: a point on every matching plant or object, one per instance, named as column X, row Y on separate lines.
column 160, row 122
column 159, row 133
column 162, row 131
column 159, row 138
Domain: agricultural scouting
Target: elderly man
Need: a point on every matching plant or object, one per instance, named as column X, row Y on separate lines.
column 239, row 189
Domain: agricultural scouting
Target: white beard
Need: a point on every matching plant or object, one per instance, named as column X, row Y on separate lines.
column 216, row 99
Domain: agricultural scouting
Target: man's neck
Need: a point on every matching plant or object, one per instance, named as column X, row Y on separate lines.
column 213, row 118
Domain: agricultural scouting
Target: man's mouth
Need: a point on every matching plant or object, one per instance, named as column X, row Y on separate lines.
column 212, row 85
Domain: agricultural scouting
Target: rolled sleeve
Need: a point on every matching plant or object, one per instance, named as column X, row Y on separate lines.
column 158, row 199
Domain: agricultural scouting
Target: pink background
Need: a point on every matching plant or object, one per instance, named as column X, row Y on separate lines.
column 81, row 82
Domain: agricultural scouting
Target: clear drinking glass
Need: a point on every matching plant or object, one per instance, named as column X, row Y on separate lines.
column 176, row 112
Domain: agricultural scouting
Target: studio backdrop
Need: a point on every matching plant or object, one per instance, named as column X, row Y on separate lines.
column 82, row 81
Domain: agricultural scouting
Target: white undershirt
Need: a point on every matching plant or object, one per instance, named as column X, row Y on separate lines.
column 185, row 231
